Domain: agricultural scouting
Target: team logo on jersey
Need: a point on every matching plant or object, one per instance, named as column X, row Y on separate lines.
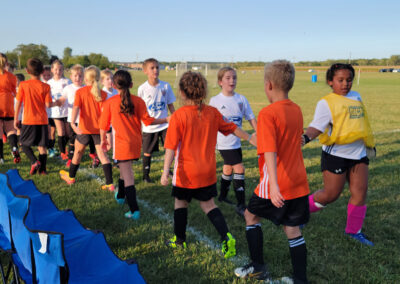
column 356, row 112
column 157, row 106
column 223, row 107
column 236, row 120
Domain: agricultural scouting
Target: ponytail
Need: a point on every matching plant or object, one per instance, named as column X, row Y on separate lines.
column 96, row 91
column 126, row 102
column 92, row 76
column 122, row 81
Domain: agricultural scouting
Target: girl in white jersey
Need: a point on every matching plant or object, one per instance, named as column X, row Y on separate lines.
column 341, row 121
column 233, row 107
column 59, row 114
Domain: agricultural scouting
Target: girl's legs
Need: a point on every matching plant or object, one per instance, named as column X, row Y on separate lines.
column 239, row 186
column 126, row 174
column 333, row 187
column 42, row 159
column 8, row 127
column 180, row 221
column 298, row 253
column 226, row 179
column 62, row 138
column 107, row 168
column 76, row 159
column 52, row 139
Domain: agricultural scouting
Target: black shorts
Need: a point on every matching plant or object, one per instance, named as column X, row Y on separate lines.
column 85, row 138
column 339, row 165
column 51, row 122
column 34, row 135
column 201, row 193
column 62, row 119
column 293, row 213
column 7, row 118
column 232, row 156
column 150, row 141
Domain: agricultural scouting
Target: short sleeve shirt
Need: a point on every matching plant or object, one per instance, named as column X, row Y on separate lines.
column 56, row 93
column 8, row 85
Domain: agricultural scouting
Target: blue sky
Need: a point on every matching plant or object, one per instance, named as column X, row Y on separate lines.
column 218, row 30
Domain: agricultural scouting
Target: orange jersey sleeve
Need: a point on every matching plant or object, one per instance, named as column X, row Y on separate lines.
column 34, row 94
column 8, row 84
column 193, row 136
column 279, row 130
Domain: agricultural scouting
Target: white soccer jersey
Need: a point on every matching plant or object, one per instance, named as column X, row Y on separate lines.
column 157, row 99
column 323, row 119
column 110, row 94
column 233, row 108
column 69, row 94
column 56, row 93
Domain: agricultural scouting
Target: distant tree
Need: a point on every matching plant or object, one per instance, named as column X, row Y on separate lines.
column 99, row 60
column 12, row 57
column 394, row 60
column 26, row 51
column 67, row 53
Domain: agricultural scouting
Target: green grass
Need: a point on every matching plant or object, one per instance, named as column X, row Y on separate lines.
column 332, row 257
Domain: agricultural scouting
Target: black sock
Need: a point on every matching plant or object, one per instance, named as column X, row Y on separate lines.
column 225, row 184
column 52, row 142
column 73, row 169
column 13, row 142
column 29, row 153
column 92, row 148
column 42, row 160
column 218, row 220
column 130, row 192
column 107, row 168
column 1, row 149
column 71, row 151
column 254, row 236
column 180, row 222
column 298, row 253
column 121, row 189
column 238, row 185
column 146, row 165
column 18, row 139
column 61, row 144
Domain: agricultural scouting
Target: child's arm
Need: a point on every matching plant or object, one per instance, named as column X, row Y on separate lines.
column 252, row 138
column 160, row 120
column 169, row 157
column 58, row 103
column 253, row 123
column 103, row 140
column 17, row 109
column 74, row 115
column 171, row 108
column 276, row 197
column 311, row 133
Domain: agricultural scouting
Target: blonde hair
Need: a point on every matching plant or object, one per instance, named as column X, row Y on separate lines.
column 3, row 62
column 92, row 76
column 77, row 68
column 222, row 72
column 150, row 60
column 281, row 74
column 57, row 62
column 105, row 73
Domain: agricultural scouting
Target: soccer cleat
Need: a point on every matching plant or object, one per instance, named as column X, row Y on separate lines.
column 64, row 156
column 147, row 179
column 65, row 176
column 120, row 201
column 1, row 161
column 361, row 238
column 135, row 215
column 240, row 209
column 17, row 157
column 229, row 246
column 34, row 168
column 51, row 153
column 43, row 173
column 252, row 271
column 68, row 164
column 174, row 243
column 109, row 187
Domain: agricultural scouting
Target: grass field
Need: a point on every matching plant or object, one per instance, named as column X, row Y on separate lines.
column 332, row 257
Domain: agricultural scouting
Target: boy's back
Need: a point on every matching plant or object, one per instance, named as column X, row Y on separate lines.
column 34, row 94
column 279, row 128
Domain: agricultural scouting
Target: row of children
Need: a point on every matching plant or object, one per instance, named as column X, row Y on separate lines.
column 282, row 194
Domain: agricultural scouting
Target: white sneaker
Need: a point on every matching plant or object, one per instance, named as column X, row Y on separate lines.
column 250, row 271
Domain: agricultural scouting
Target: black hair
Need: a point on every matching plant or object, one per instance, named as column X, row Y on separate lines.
column 34, row 66
column 122, row 81
column 20, row 77
column 336, row 67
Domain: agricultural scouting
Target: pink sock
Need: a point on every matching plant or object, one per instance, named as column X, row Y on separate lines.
column 312, row 207
column 355, row 218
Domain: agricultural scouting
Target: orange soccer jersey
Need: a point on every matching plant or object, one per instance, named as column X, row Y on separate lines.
column 127, row 131
column 89, row 110
column 279, row 130
column 193, row 136
column 34, row 94
column 8, row 85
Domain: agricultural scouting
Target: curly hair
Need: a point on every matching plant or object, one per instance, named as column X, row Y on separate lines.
column 194, row 86
column 336, row 67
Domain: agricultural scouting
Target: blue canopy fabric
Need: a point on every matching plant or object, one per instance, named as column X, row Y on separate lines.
column 53, row 244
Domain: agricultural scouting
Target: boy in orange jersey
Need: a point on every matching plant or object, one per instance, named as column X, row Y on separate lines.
column 191, row 137
column 35, row 96
column 281, row 195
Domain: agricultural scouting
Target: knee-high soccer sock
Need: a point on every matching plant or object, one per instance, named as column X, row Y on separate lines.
column 62, row 143
column 1, row 149
column 355, row 218
column 43, row 161
column 298, row 253
column 92, row 148
column 146, row 165
column 314, row 206
column 29, row 153
column 107, row 168
column 73, row 169
column 52, row 142
column 121, row 189
column 238, row 185
column 13, row 142
column 180, row 222
column 218, row 220
column 225, row 184
column 254, row 236
column 71, row 151
column 130, row 192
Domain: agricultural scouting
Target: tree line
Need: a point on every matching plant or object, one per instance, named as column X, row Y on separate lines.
column 20, row 55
